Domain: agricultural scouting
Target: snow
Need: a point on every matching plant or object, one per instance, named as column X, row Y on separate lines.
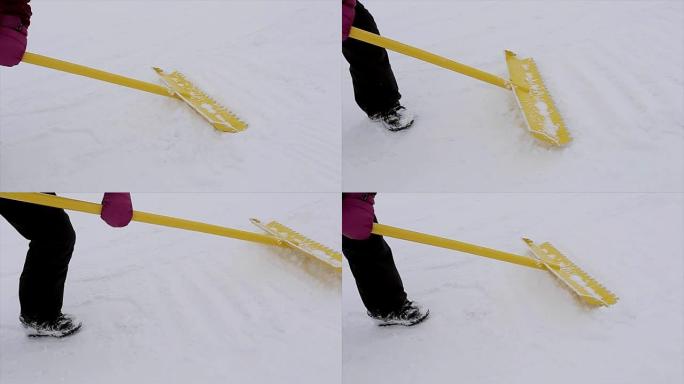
column 495, row 322
column 66, row 132
column 161, row 305
column 613, row 69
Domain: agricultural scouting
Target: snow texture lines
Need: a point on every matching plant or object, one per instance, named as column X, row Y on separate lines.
column 161, row 305
column 488, row 319
column 61, row 131
column 613, row 69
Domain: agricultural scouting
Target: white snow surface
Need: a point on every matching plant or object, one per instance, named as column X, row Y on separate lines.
column 495, row 322
column 66, row 132
column 161, row 305
column 613, row 69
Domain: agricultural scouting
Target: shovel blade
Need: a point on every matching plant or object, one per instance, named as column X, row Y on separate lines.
column 220, row 117
column 540, row 113
column 584, row 286
column 302, row 243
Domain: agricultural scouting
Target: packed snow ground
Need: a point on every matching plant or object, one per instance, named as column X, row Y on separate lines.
column 273, row 63
column 161, row 305
column 494, row 322
column 614, row 70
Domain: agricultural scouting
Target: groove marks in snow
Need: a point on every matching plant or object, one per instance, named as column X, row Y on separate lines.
column 617, row 90
column 280, row 83
column 160, row 304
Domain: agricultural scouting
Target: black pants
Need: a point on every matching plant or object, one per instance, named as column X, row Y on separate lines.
column 52, row 238
column 376, row 276
column 375, row 88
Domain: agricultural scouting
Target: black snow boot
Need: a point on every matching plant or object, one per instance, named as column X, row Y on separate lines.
column 409, row 314
column 397, row 118
column 63, row 325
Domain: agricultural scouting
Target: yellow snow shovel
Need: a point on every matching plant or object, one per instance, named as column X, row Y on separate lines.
column 546, row 257
column 540, row 114
column 177, row 86
column 284, row 237
column 297, row 240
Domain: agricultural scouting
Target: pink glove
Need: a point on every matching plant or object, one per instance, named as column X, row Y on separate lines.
column 348, row 14
column 12, row 40
column 117, row 209
column 357, row 215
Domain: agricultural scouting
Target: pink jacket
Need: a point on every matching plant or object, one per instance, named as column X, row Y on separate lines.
column 19, row 8
column 348, row 14
column 358, row 215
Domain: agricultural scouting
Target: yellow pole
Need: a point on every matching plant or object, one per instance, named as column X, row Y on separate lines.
column 420, row 54
column 93, row 73
column 417, row 237
column 143, row 217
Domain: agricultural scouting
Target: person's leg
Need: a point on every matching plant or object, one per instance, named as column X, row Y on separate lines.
column 375, row 273
column 375, row 88
column 52, row 238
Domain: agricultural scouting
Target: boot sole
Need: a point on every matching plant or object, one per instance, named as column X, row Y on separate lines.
column 409, row 125
column 418, row 321
column 58, row 336
column 379, row 120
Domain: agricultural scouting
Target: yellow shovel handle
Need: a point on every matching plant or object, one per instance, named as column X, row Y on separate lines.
column 417, row 237
column 93, row 73
column 143, row 217
column 384, row 42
